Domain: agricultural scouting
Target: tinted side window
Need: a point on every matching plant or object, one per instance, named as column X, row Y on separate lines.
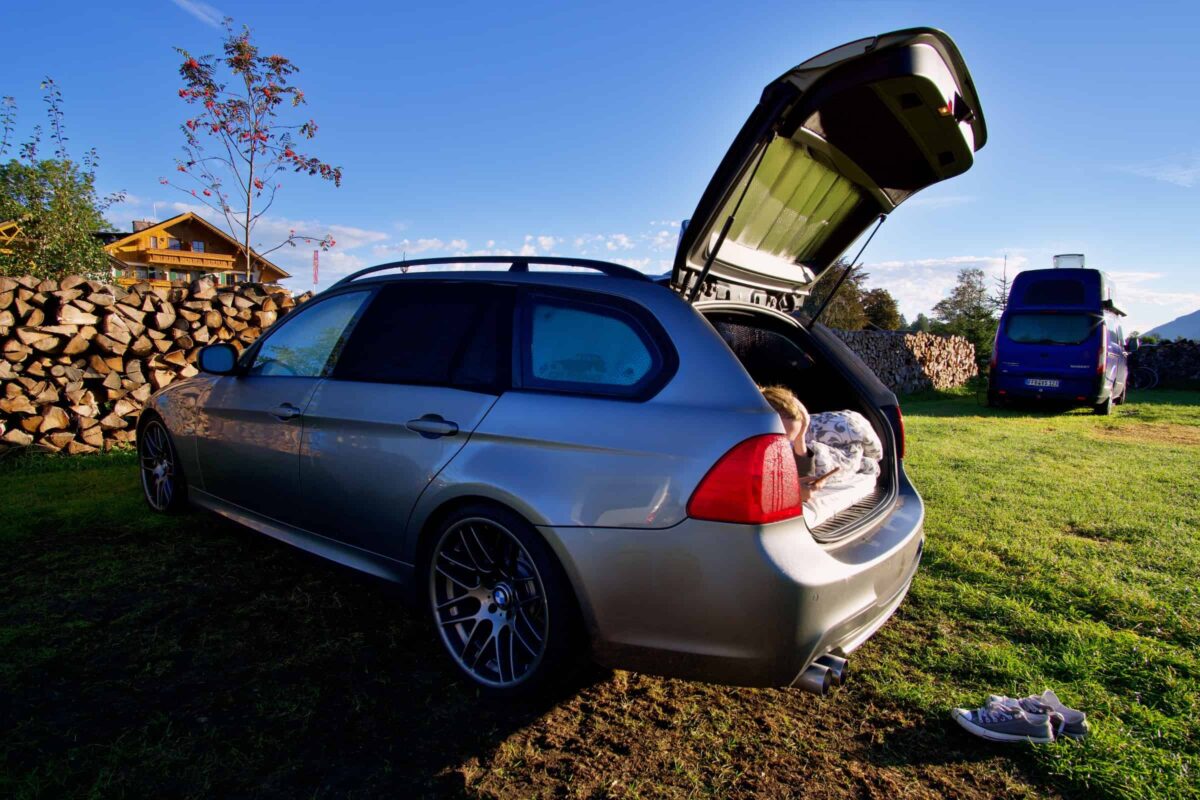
column 309, row 341
column 578, row 346
column 427, row 334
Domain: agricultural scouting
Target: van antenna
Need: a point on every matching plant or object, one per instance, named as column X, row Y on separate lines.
column 712, row 255
column 854, row 262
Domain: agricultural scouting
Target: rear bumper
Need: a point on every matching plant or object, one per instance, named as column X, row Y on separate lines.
column 1082, row 390
column 736, row 604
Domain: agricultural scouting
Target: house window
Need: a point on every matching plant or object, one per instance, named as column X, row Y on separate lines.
column 153, row 242
column 174, row 244
column 197, row 246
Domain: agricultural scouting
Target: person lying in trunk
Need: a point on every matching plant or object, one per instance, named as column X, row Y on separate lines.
column 831, row 447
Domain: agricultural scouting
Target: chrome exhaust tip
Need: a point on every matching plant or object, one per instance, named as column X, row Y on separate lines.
column 839, row 667
column 817, row 679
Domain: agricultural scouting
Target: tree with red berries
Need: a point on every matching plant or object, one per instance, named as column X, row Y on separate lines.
column 239, row 141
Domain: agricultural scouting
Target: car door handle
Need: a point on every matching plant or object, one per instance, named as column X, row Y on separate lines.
column 432, row 426
column 285, row 411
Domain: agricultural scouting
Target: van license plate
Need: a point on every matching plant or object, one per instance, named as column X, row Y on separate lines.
column 1052, row 384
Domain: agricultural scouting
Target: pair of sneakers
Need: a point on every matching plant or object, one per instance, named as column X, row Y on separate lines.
column 1039, row 718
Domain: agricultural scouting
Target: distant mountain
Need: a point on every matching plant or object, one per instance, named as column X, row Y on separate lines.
column 1187, row 326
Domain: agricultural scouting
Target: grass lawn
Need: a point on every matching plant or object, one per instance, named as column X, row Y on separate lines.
column 187, row 657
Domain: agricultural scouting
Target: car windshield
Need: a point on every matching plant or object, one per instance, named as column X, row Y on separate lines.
column 1050, row 328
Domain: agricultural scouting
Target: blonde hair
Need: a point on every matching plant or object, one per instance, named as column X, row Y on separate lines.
column 784, row 401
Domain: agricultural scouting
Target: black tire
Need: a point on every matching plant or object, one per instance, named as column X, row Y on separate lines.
column 1104, row 408
column 493, row 587
column 164, row 486
column 993, row 400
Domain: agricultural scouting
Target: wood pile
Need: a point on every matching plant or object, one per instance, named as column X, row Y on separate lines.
column 914, row 362
column 79, row 359
column 1177, row 363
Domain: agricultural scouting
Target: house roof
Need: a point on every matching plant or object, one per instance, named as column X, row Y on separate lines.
column 191, row 216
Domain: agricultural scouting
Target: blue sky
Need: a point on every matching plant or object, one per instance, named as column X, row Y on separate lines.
column 593, row 129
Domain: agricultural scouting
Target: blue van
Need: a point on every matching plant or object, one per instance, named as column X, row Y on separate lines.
column 1060, row 340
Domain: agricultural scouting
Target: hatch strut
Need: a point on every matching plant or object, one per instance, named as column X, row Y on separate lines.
column 849, row 268
column 708, row 262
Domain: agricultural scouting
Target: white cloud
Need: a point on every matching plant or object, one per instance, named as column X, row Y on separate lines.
column 939, row 201
column 619, row 241
column 414, row 246
column 662, row 240
column 1181, row 171
column 919, row 284
column 201, row 11
column 547, row 242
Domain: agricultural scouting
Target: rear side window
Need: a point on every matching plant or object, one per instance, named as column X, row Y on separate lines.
column 1055, row 293
column 304, row 345
column 434, row 335
column 1050, row 328
column 591, row 348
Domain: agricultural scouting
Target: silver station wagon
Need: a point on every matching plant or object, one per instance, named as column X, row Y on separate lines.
column 569, row 462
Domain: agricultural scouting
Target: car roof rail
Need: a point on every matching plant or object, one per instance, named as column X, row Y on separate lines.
column 517, row 264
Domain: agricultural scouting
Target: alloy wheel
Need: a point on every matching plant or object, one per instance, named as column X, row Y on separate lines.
column 489, row 602
column 157, row 465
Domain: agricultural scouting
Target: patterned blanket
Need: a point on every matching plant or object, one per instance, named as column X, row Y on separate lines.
column 843, row 439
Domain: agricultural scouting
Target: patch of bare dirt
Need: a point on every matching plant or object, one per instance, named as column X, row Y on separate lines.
column 632, row 735
column 1157, row 432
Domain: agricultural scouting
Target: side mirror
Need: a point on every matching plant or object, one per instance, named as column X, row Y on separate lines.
column 218, row 359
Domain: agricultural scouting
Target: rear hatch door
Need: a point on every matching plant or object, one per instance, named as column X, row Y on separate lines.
column 833, row 144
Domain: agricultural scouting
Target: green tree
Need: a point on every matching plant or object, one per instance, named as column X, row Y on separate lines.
column 967, row 312
column 52, row 200
column 922, row 324
column 845, row 311
column 881, row 309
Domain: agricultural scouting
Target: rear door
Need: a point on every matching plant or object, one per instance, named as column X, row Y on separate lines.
column 421, row 370
column 248, row 440
column 832, row 145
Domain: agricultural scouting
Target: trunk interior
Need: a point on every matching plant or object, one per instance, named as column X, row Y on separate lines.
column 775, row 353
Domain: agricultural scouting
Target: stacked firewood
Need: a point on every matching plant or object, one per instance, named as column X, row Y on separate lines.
column 914, row 362
column 79, row 359
column 1177, row 363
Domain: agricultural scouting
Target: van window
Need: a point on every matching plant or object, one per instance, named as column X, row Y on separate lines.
column 1050, row 328
column 1055, row 293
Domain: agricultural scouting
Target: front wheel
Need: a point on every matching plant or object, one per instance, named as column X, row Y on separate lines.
column 163, row 485
column 502, row 604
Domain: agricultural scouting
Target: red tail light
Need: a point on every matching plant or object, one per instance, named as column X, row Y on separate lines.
column 1103, row 350
column 754, row 483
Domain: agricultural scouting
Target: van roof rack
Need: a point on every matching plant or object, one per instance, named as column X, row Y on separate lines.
column 516, row 264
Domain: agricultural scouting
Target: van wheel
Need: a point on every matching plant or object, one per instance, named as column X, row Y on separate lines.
column 501, row 602
column 1104, row 408
column 993, row 399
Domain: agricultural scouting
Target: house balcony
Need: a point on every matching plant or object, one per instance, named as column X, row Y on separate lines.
column 186, row 259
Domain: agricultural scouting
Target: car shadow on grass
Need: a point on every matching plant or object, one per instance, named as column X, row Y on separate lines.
column 206, row 660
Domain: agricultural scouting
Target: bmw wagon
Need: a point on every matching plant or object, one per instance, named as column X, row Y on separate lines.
column 565, row 458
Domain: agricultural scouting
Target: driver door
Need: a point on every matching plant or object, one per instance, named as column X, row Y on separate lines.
column 249, row 451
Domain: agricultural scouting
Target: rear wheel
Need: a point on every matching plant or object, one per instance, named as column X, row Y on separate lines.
column 502, row 605
column 1104, row 407
column 162, row 478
